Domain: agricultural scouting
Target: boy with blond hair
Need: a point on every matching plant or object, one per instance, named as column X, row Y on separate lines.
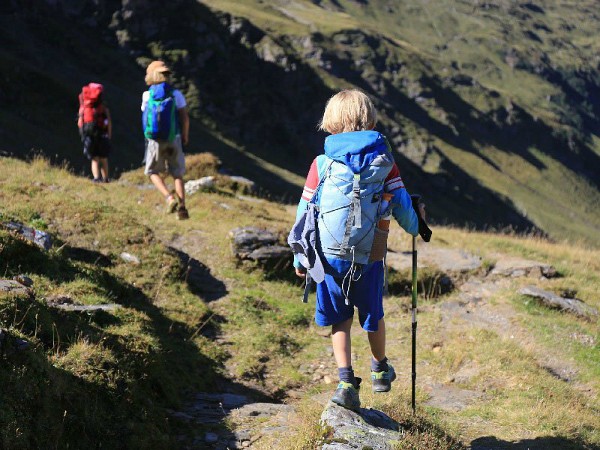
column 349, row 186
column 163, row 106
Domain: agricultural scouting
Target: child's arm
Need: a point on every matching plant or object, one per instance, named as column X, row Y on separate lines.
column 401, row 203
column 184, row 119
column 312, row 181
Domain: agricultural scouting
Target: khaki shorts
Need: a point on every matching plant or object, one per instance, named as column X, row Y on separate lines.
column 163, row 155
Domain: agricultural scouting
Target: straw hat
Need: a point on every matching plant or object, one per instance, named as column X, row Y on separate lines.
column 157, row 66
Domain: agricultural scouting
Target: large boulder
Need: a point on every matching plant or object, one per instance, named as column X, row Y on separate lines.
column 554, row 301
column 368, row 428
column 511, row 266
column 257, row 244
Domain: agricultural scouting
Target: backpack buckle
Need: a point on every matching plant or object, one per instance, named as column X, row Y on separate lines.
column 356, row 185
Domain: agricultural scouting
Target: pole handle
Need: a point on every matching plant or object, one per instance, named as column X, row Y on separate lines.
column 424, row 230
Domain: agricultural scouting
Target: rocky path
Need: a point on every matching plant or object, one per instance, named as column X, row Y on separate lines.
column 256, row 419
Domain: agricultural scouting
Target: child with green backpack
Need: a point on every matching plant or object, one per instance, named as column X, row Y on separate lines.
column 166, row 125
column 350, row 192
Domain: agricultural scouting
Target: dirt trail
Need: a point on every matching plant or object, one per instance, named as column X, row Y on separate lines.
column 253, row 410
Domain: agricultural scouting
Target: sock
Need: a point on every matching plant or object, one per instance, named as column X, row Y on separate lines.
column 347, row 374
column 379, row 366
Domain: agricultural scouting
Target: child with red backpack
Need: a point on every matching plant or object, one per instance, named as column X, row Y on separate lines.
column 95, row 129
column 340, row 234
column 166, row 125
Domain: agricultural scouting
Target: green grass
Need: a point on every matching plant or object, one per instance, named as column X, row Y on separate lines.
column 132, row 364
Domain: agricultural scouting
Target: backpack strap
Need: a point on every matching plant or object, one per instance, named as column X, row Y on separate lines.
column 354, row 216
column 322, row 175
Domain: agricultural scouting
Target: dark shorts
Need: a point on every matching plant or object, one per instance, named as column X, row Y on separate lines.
column 96, row 147
column 366, row 295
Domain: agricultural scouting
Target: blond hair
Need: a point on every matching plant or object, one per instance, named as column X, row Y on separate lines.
column 156, row 77
column 348, row 110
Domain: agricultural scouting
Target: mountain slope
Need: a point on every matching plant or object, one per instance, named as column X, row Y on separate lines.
column 190, row 318
column 491, row 107
column 471, row 94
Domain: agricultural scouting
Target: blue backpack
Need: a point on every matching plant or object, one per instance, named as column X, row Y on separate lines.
column 352, row 172
column 159, row 119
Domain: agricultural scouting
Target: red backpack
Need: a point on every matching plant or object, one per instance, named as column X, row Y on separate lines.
column 92, row 119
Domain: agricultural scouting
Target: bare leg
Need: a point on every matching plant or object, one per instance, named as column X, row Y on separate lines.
column 340, row 339
column 180, row 190
column 377, row 341
column 159, row 184
column 104, row 167
column 95, row 167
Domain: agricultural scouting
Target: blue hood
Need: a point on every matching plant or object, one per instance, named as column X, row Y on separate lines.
column 356, row 149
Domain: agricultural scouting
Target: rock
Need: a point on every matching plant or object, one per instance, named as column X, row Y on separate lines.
column 243, row 184
column 59, row 300
column 368, row 428
column 211, row 438
column 584, row 339
column 246, row 239
column 517, row 267
column 208, row 408
column 128, row 257
column 270, row 252
column 571, row 305
column 257, row 244
column 327, row 379
column 24, row 280
column 12, row 287
column 39, row 238
column 84, row 308
column 445, row 259
column 201, row 184
column 66, row 303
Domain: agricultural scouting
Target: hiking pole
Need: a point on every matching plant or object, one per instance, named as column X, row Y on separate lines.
column 414, row 320
column 425, row 233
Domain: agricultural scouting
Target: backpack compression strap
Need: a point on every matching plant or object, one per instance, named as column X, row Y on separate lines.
column 354, row 216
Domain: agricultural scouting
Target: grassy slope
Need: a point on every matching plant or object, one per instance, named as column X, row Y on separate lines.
column 430, row 39
column 132, row 364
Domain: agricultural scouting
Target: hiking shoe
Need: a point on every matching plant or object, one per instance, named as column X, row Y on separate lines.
column 346, row 395
column 172, row 203
column 97, row 180
column 382, row 381
column 182, row 213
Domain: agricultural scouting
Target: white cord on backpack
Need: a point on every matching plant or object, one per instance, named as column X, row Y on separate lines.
column 350, row 276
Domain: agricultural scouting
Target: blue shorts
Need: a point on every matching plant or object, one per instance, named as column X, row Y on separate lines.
column 366, row 294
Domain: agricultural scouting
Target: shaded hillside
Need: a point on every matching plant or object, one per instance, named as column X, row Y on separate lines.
column 492, row 108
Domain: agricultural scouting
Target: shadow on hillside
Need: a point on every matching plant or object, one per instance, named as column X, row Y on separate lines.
column 539, row 443
column 119, row 411
column 510, row 129
column 199, row 279
column 514, row 130
column 87, row 256
column 52, row 408
column 453, row 197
